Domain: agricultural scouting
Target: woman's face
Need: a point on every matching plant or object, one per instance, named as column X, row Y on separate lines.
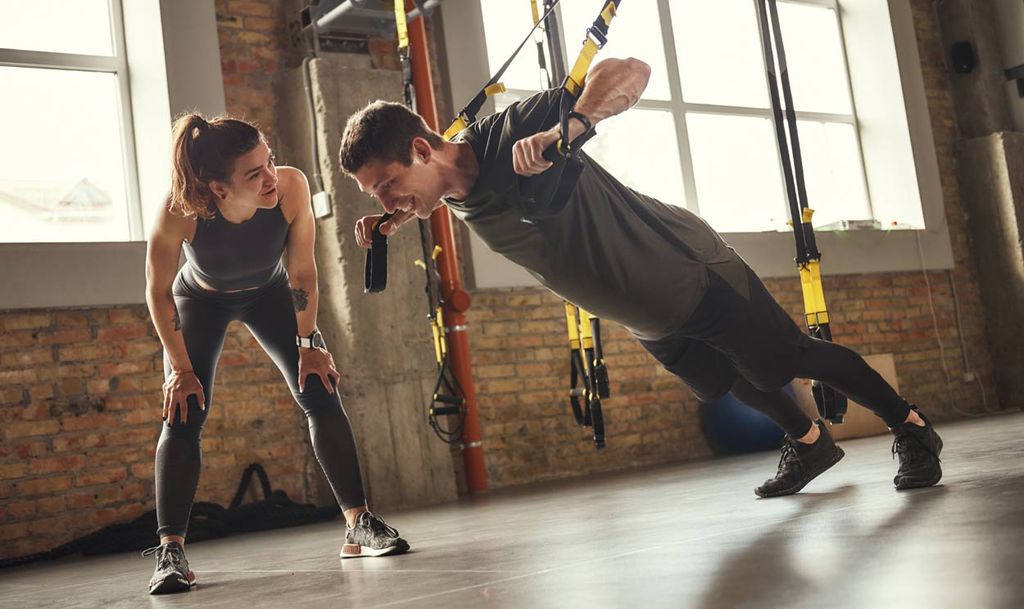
column 253, row 181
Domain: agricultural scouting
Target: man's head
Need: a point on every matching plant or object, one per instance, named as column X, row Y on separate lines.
column 389, row 150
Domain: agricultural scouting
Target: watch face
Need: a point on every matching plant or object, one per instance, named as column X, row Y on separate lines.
column 318, row 340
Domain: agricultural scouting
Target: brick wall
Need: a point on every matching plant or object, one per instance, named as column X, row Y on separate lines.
column 80, row 390
column 521, row 363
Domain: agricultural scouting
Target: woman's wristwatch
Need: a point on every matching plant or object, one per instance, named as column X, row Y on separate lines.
column 313, row 341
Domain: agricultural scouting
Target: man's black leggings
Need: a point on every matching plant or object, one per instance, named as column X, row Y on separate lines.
column 744, row 343
column 837, row 366
column 269, row 314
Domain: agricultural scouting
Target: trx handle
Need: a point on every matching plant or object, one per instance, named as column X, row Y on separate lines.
column 375, row 271
column 588, row 376
column 572, row 86
column 830, row 403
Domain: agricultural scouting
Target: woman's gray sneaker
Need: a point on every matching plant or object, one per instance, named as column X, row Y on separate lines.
column 371, row 536
column 172, row 573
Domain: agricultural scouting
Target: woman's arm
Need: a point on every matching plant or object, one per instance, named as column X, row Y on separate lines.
column 162, row 254
column 302, row 274
column 300, row 262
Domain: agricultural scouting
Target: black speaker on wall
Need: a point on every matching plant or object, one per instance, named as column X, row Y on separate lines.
column 963, row 57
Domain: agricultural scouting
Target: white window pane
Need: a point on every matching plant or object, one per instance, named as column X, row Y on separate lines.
column 505, row 24
column 57, row 26
column 736, row 172
column 833, row 172
column 62, row 163
column 635, row 32
column 719, row 50
column 618, row 138
column 814, row 56
column 657, row 172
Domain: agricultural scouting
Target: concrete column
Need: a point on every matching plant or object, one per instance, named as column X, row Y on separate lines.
column 381, row 342
column 990, row 156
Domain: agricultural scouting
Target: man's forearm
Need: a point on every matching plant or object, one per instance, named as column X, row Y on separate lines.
column 612, row 87
column 305, row 296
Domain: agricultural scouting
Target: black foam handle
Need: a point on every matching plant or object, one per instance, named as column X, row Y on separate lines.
column 375, row 273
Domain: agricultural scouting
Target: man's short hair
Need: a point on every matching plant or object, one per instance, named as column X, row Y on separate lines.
column 383, row 131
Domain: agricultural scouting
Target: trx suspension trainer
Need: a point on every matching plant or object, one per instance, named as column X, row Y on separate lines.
column 830, row 403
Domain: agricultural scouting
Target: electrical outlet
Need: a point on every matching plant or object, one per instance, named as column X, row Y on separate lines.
column 970, row 376
column 321, row 205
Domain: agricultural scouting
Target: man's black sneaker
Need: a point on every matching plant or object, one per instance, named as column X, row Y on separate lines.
column 371, row 536
column 172, row 573
column 801, row 463
column 918, row 449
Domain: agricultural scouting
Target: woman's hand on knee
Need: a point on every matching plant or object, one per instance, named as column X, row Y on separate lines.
column 317, row 361
column 178, row 385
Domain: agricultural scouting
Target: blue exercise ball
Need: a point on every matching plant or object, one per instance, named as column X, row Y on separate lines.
column 731, row 427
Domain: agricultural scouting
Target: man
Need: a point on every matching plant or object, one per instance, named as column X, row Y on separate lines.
column 657, row 269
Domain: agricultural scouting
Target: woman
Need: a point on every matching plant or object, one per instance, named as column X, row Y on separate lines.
column 235, row 212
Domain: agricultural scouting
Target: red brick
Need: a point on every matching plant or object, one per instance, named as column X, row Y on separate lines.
column 13, row 531
column 62, row 336
column 25, row 321
column 64, row 443
column 249, row 7
column 16, row 340
column 30, row 357
column 57, row 464
column 18, row 377
column 22, row 429
column 109, row 475
column 100, row 421
column 116, row 333
column 10, row 471
column 43, row 486
column 86, row 352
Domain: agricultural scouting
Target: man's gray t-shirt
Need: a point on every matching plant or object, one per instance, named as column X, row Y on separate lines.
column 615, row 252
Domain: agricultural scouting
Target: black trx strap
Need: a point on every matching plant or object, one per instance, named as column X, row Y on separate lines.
column 831, row 404
column 588, row 376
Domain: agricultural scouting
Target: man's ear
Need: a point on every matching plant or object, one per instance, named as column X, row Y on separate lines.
column 421, row 149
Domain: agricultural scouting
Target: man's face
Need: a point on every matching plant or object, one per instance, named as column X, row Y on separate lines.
column 398, row 187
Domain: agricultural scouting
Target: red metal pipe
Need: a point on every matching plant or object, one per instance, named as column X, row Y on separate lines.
column 456, row 299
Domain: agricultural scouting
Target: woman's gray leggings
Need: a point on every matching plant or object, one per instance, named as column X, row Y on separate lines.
column 269, row 314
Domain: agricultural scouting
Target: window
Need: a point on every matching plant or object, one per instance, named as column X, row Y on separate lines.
column 707, row 101
column 67, row 161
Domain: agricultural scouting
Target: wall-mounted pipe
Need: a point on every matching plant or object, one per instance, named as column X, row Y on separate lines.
column 456, row 299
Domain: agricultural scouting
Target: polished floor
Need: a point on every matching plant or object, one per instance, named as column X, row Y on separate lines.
column 683, row 536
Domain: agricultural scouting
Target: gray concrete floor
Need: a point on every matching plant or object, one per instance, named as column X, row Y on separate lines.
column 684, row 536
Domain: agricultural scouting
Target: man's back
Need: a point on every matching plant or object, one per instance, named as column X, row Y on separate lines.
column 614, row 251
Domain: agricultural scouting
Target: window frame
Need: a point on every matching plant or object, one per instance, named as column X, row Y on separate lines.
column 116, row 64
column 881, row 43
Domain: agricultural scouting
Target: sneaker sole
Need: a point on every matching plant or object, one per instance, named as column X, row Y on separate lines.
column 173, row 585
column 836, row 458
column 354, row 550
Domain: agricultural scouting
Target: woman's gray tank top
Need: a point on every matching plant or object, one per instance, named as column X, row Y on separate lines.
column 227, row 256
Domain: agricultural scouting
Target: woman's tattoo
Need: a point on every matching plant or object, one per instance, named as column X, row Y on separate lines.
column 177, row 321
column 300, row 298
